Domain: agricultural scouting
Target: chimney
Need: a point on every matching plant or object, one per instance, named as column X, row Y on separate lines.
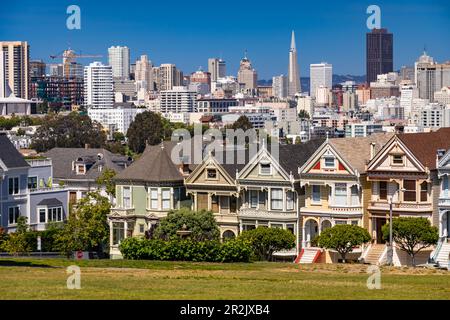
column 372, row 150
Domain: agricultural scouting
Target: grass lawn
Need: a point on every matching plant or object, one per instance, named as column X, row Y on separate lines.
column 29, row 278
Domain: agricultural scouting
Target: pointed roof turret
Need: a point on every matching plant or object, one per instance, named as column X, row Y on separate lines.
column 293, row 47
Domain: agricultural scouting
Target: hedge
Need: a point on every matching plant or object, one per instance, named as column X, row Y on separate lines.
column 186, row 250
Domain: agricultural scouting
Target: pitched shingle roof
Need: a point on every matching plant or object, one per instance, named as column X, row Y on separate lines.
column 52, row 202
column 9, row 154
column 155, row 165
column 424, row 145
column 356, row 150
column 293, row 156
column 62, row 159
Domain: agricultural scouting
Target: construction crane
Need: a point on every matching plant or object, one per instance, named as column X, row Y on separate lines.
column 69, row 56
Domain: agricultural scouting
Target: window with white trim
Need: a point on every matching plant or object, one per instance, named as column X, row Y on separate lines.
column 13, row 214
column 13, row 185
column 32, row 183
column 126, row 197
column 315, row 194
column 329, row 162
column 42, row 212
column 165, row 199
column 354, row 195
column 290, row 200
column 253, row 198
column 118, row 232
column 340, row 194
column 265, row 169
column 54, row 214
column 153, row 198
column 276, row 198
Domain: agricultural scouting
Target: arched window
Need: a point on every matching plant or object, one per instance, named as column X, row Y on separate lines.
column 228, row 235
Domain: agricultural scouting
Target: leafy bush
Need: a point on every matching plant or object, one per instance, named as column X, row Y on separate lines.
column 412, row 235
column 186, row 250
column 265, row 241
column 342, row 238
column 202, row 224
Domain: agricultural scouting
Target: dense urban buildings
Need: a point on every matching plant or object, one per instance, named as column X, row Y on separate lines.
column 379, row 53
column 217, row 68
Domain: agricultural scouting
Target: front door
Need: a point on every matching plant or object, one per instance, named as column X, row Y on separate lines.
column 380, row 222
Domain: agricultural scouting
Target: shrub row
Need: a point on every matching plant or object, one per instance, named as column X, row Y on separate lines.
column 186, row 250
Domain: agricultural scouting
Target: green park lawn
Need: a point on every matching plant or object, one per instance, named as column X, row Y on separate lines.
column 29, row 278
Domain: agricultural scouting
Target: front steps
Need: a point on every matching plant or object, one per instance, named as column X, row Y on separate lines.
column 374, row 254
column 308, row 255
column 442, row 257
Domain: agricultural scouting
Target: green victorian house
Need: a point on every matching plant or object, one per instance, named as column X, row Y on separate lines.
column 146, row 191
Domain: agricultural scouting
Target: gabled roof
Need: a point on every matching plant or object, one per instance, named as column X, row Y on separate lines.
column 294, row 156
column 425, row 145
column 356, row 150
column 155, row 165
column 62, row 159
column 51, row 202
column 9, row 155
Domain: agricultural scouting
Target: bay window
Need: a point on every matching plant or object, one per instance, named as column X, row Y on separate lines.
column 127, row 197
column 253, row 198
column 290, row 200
column 340, row 194
column 118, row 232
column 410, row 190
column 383, row 190
column 276, row 199
column 316, row 194
column 354, row 196
column 166, row 199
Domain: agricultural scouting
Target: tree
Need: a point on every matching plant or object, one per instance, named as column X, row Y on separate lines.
column 201, row 224
column 242, row 123
column 71, row 131
column 147, row 127
column 412, row 235
column 118, row 136
column 107, row 179
column 265, row 241
column 16, row 243
column 303, row 114
column 343, row 238
column 86, row 228
column 298, row 140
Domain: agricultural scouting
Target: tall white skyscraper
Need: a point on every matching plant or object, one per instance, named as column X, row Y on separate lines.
column 119, row 60
column 294, row 85
column 217, row 68
column 143, row 73
column 280, row 86
column 98, row 86
column 16, row 67
column 320, row 74
column 407, row 95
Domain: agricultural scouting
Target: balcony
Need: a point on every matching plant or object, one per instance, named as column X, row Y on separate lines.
column 122, row 211
column 401, row 206
column 260, row 213
column 39, row 162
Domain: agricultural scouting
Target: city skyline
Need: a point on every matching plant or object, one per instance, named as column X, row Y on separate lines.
column 189, row 45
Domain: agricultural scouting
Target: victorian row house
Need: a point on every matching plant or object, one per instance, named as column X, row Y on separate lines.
column 303, row 188
column 27, row 189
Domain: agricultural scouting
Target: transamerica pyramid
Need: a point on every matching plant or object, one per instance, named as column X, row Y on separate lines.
column 293, row 72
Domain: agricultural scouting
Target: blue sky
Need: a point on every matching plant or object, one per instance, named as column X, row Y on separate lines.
column 188, row 32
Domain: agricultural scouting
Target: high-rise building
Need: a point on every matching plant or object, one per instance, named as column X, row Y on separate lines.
column 5, row 91
column 119, row 60
column 16, row 67
column 178, row 100
column 201, row 81
column 70, row 68
column 293, row 71
column 280, row 86
column 407, row 94
column 379, row 53
column 320, row 74
column 98, row 86
column 56, row 69
column 247, row 76
column 143, row 73
column 217, row 68
column 431, row 76
column 168, row 77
